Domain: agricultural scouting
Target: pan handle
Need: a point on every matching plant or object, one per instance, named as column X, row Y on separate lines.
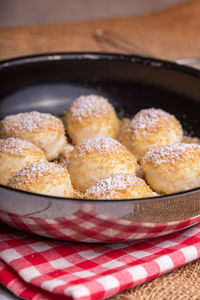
column 119, row 42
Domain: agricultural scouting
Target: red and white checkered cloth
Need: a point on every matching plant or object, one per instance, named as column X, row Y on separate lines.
column 38, row 268
column 86, row 225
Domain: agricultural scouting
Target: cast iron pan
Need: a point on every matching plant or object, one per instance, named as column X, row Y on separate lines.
column 49, row 83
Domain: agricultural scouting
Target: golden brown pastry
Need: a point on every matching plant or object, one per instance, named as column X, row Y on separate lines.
column 150, row 128
column 91, row 116
column 43, row 178
column 15, row 154
column 119, row 186
column 172, row 168
column 96, row 158
column 43, row 130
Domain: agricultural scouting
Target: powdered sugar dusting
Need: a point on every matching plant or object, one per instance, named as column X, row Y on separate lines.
column 15, row 146
column 108, row 186
column 30, row 122
column 148, row 120
column 102, row 145
column 37, row 172
column 171, row 153
column 90, row 106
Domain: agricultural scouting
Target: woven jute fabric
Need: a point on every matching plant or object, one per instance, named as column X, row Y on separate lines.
column 170, row 34
column 181, row 284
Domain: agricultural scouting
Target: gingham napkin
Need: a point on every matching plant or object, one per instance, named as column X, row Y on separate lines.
column 39, row 268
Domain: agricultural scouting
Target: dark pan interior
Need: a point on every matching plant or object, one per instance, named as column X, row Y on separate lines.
column 49, row 83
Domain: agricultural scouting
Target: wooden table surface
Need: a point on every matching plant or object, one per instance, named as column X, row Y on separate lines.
column 170, row 34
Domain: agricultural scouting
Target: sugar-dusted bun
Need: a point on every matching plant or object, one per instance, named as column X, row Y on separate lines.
column 119, row 186
column 91, row 116
column 172, row 168
column 97, row 158
column 150, row 128
column 15, row 154
column 43, row 178
column 43, row 130
column 65, row 155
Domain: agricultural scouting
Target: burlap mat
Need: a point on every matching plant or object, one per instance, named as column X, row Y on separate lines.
column 169, row 34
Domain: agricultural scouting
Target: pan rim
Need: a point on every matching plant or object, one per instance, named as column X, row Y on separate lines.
column 56, row 56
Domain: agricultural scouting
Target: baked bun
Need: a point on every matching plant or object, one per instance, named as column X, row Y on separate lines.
column 43, row 130
column 97, row 158
column 15, row 154
column 43, row 178
column 65, row 155
column 91, row 116
column 172, row 168
column 119, row 186
column 150, row 128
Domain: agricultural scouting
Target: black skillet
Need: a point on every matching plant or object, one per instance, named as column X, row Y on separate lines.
column 49, row 83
